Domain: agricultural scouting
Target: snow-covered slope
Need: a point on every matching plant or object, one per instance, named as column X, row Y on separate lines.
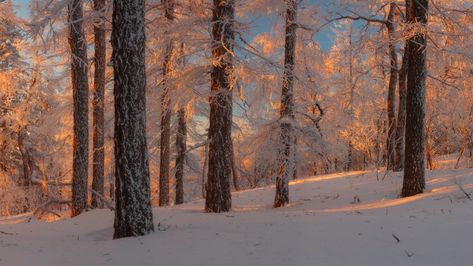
column 340, row 219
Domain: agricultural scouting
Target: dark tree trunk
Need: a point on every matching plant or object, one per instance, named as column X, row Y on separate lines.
column 401, row 117
column 235, row 173
column 205, row 169
column 349, row 163
column 80, row 90
column 391, row 110
column 414, row 172
column 181, row 138
column 98, row 106
column 25, row 180
column 218, row 196
column 133, row 214
column 111, row 190
column 166, row 113
column 285, row 168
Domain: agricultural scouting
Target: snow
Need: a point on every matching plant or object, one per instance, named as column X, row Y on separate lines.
column 324, row 225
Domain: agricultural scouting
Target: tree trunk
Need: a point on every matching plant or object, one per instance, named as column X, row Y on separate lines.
column 98, row 106
column 401, row 118
column 414, row 172
column 285, row 170
column 235, row 174
column 133, row 216
column 379, row 131
column 218, row 196
column 204, row 170
column 391, row 110
column 80, row 90
column 111, row 191
column 181, row 138
column 428, row 153
column 25, row 180
column 166, row 112
column 349, row 163
column 351, row 83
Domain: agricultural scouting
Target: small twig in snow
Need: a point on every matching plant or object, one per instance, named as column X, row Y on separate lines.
column 460, row 186
column 6, row 233
column 397, row 238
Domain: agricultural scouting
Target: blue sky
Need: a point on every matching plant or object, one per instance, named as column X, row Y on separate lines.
column 324, row 38
column 22, row 7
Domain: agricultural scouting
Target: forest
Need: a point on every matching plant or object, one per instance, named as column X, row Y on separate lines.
column 274, row 132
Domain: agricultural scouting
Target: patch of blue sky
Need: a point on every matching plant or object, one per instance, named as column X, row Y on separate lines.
column 22, row 7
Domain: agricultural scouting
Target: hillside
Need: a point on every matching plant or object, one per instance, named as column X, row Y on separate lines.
column 337, row 219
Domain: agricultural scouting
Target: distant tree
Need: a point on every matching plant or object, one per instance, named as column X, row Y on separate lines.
column 235, row 173
column 133, row 214
column 390, row 24
column 181, row 138
column 218, row 196
column 401, row 117
column 98, row 104
column 168, row 6
column 414, row 169
column 286, row 155
column 393, row 78
column 80, row 89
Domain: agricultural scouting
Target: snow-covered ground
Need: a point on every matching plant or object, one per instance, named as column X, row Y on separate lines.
column 339, row 219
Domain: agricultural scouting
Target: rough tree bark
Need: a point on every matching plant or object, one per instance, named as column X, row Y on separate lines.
column 218, row 197
column 80, row 90
column 235, row 173
column 401, row 117
column 133, row 216
column 98, row 106
column 414, row 172
column 285, row 160
column 391, row 110
column 168, row 6
column 181, row 138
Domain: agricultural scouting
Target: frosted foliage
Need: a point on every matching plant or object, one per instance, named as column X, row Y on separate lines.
column 227, row 74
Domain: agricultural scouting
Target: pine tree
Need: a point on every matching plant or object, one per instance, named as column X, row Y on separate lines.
column 133, row 214
column 80, row 89
column 286, row 156
column 218, row 196
column 414, row 172
column 98, row 105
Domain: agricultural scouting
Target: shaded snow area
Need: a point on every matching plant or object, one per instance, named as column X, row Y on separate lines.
column 340, row 219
